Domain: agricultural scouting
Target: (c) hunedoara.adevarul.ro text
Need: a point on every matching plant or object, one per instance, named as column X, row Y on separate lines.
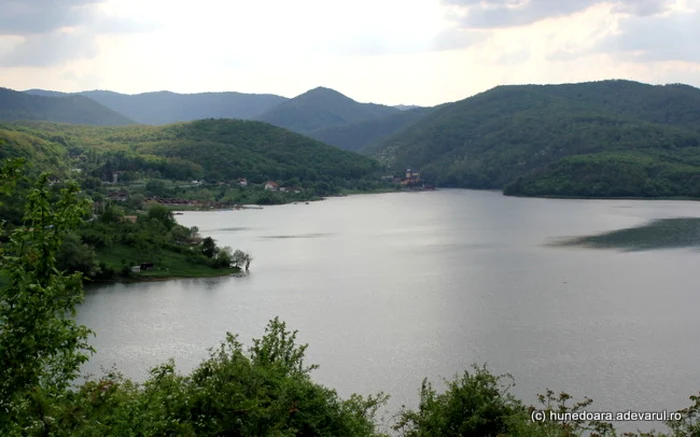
column 605, row 416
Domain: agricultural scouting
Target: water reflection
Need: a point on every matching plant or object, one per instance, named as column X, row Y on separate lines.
column 671, row 233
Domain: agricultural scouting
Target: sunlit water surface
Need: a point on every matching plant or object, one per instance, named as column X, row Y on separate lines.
column 388, row 289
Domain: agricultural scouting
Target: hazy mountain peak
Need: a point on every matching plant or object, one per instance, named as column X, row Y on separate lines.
column 57, row 107
column 321, row 108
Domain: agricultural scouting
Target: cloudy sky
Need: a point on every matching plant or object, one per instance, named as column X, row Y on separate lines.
column 386, row 51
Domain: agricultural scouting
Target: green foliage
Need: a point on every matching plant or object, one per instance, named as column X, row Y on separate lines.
column 264, row 391
column 689, row 425
column 494, row 138
column 41, row 346
column 156, row 188
column 162, row 215
column 112, row 214
column 75, row 256
column 214, row 150
column 478, row 403
column 40, row 154
column 631, row 174
column 241, row 259
column 10, row 174
column 208, row 247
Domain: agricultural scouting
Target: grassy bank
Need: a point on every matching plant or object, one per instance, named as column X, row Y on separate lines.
column 168, row 264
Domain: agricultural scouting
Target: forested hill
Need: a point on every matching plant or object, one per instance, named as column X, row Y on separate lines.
column 363, row 135
column 216, row 150
column 322, row 108
column 674, row 104
column 16, row 105
column 576, row 139
column 164, row 107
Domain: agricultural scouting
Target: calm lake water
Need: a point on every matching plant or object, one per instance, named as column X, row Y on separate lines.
column 388, row 289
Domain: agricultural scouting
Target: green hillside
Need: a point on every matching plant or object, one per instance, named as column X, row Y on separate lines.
column 165, row 107
column 510, row 132
column 363, row 135
column 321, row 108
column 675, row 104
column 42, row 153
column 216, row 150
column 15, row 105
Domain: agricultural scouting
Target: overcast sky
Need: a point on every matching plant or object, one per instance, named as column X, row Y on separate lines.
column 386, row 51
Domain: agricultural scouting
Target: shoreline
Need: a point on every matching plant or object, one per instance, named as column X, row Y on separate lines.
column 257, row 206
column 564, row 197
column 124, row 280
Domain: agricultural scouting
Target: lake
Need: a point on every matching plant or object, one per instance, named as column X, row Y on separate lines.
column 390, row 288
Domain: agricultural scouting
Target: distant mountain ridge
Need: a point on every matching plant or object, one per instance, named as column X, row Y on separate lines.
column 321, row 113
column 322, row 108
column 165, row 107
column 364, row 135
column 75, row 109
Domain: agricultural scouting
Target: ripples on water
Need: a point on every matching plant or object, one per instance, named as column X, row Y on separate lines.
column 389, row 289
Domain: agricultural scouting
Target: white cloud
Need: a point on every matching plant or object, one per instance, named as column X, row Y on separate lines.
column 389, row 51
column 674, row 36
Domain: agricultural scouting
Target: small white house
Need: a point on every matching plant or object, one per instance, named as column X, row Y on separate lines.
column 243, row 182
column 271, row 186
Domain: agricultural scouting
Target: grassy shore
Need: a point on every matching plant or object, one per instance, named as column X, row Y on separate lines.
column 168, row 264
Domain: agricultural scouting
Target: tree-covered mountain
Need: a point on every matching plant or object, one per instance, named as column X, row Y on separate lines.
column 164, row 107
column 322, row 108
column 521, row 135
column 216, row 150
column 674, row 104
column 16, row 105
column 361, row 136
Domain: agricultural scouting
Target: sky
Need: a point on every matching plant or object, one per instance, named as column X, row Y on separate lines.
column 421, row 52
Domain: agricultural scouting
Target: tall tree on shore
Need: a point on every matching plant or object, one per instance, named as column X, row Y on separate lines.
column 41, row 346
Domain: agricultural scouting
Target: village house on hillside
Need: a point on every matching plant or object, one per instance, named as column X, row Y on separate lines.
column 119, row 196
column 271, row 186
column 412, row 178
column 243, row 182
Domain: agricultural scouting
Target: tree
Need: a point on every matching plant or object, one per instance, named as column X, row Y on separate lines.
column 241, row 259
column 163, row 215
column 135, row 201
column 156, row 188
column 224, row 257
column 208, row 247
column 74, row 256
column 41, row 346
column 112, row 214
column 478, row 403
